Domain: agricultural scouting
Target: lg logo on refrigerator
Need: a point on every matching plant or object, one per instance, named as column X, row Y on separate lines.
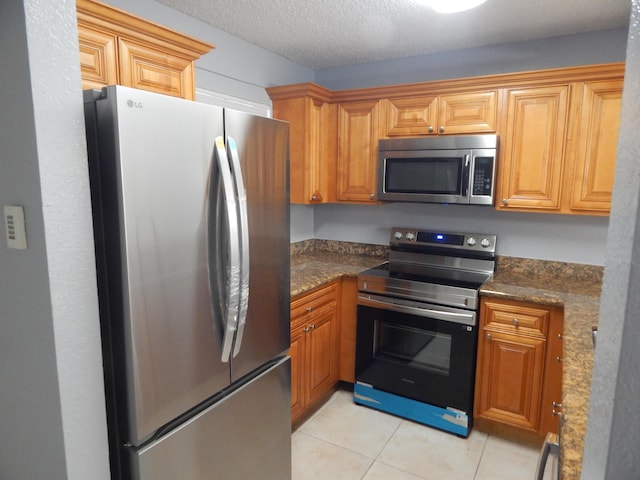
column 132, row 104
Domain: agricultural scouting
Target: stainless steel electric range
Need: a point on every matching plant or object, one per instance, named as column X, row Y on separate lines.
column 417, row 327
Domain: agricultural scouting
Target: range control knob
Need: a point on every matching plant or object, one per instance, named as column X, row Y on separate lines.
column 410, row 236
column 398, row 235
column 471, row 241
column 485, row 242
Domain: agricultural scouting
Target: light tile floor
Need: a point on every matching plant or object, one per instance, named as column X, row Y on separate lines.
column 344, row 441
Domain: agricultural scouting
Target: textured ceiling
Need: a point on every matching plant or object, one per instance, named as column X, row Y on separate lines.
column 331, row 33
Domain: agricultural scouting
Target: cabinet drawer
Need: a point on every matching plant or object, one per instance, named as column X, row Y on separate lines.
column 516, row 318
column 314, row 304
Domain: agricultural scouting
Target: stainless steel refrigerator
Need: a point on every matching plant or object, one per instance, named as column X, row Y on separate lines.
column 191, row 221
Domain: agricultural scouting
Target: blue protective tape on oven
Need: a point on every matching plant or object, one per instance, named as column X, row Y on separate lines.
column 447, row 419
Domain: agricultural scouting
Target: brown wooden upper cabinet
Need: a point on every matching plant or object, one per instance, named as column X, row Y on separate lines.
column 594, row 151
column 472, row 112
column 312, row 143
column 557, row 129
column 558, row 148
column 119, row 48
column 358, row 133
column 532, row 147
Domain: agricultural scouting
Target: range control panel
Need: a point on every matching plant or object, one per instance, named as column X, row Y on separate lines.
column 480, row 242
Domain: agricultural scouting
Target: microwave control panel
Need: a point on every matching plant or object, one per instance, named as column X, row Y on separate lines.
column 483, row 176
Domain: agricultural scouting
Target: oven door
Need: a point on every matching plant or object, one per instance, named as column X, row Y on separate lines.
column 415, row 350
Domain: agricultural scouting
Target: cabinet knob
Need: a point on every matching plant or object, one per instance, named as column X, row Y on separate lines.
column 441, row 129
column 372, row 196
column 305, row 329
column 309, row 309
column 487, row 336
column 515, row 322
column 430, row 128
column 559, row 359
column 505, row 201
column 316, row 197
column 312, row 326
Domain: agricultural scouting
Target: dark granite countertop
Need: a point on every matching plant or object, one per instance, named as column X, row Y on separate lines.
column 316, row 262
column 576, row 288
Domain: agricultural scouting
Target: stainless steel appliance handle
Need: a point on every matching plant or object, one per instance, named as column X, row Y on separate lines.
column 401, row 306
column 243, row 220
column 231, row 300
column 466, row 176
column 549, row 447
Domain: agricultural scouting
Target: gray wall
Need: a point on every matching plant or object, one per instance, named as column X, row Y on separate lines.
column 234, row 67
column 52, row 413
column 569, row 238
column 242, row 70
column 532, row 235
column 597, row 47
column 51, row 406
column 51, row 402
column 611, row 446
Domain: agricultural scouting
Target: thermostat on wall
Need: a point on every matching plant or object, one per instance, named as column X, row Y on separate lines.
column 14, row 226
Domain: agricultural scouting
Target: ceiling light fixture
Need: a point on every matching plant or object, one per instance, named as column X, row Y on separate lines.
column 451, row 6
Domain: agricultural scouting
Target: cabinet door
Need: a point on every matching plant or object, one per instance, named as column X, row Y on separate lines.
column 357, row 151
column 552, row 393
column 411, row 116
column 296, row 352
column 510, row 379
column 312, row 140
column 348, row 322
column 153, row 69
column 309, row 148
column 532, row 149
column 474, row 112
column 595, row 156
column 322, row 365
column 98, row 62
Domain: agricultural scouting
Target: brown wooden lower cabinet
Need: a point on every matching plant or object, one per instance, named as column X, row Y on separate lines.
column 348, row 318
column 314, row 347
column 519, row 369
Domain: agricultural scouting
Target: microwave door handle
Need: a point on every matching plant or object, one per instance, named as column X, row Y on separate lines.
column 466, row 175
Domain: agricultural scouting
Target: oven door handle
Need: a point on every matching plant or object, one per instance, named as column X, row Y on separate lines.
column 397, row 305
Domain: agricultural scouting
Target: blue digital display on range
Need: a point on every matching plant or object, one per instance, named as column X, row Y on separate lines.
column 444, row 238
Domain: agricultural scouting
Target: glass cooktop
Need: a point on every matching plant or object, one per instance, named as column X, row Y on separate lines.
column 428, row 274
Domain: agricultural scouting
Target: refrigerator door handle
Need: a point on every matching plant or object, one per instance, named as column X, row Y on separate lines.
column 231, row 299
column 243, row 217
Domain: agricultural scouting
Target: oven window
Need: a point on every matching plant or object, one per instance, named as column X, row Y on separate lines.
column 432, row 175
column 418, row 348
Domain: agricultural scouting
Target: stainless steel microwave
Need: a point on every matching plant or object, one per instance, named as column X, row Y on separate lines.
column 445, row 169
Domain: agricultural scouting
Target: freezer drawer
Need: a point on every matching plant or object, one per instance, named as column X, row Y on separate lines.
column 245, row 435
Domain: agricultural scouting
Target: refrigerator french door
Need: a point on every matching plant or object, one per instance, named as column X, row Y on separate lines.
column 191, row 221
